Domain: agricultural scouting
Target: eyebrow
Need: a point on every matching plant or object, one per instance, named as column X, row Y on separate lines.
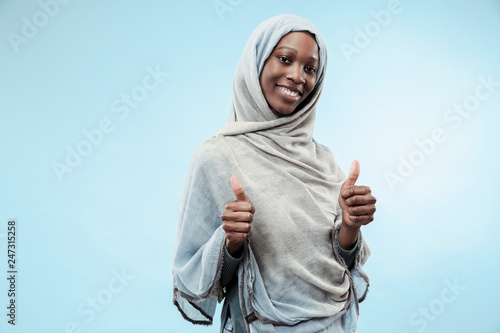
column 295, row 51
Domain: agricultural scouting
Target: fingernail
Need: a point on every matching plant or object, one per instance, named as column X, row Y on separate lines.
column 234, row 182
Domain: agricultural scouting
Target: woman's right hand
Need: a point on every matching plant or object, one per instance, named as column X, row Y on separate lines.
column 237, row 218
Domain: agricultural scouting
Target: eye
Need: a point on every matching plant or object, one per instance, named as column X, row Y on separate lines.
column 284, row 59
column 310, row 69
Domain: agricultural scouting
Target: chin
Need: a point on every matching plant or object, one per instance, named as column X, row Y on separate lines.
column 288, row 110
column 283, row 111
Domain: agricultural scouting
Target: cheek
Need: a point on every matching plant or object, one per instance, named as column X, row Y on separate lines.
column 266, row 84
column 313, row 82
column 310, row 86
column 264, row 77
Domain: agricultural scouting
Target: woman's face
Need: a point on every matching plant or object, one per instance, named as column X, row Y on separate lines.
column 289, row 74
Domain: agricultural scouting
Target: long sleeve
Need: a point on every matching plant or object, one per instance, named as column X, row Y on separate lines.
column 229, row 266
column 348, row 255
column 199, row 248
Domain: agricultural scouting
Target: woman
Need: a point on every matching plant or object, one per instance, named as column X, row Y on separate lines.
column 287, row 254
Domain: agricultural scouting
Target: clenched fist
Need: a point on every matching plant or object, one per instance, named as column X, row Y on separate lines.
column 237, row 218
column 358, row 207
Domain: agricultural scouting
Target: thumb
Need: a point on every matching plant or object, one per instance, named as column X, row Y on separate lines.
column 238, row 189
column 353, row 175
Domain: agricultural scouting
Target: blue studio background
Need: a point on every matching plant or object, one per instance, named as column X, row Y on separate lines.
column 102, row 104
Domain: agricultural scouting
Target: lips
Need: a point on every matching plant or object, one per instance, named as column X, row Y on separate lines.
column 290, row 91
column 289, row 94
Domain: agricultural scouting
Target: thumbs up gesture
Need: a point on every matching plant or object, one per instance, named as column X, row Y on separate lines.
column 358, row 207
column 237, row 218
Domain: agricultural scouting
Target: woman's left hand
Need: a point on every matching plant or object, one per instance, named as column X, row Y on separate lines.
column 357, row 202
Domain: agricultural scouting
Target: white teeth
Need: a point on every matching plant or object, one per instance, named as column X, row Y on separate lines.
column 289, row 92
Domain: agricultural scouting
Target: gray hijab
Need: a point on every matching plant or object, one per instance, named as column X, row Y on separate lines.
column 291, row 277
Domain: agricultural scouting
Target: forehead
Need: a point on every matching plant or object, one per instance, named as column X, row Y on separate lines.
column 302, row 42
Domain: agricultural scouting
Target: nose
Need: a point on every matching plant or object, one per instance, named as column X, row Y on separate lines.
column 296, row 74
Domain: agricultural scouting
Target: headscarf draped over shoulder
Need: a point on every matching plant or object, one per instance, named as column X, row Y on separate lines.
column 292, row 277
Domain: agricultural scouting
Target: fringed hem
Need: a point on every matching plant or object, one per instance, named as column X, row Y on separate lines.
column 360, row 271
column 343, row 263
column 194, row 322
column 215, row 290
column 356, row 266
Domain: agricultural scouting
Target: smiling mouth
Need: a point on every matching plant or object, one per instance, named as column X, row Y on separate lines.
column 289, row 92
